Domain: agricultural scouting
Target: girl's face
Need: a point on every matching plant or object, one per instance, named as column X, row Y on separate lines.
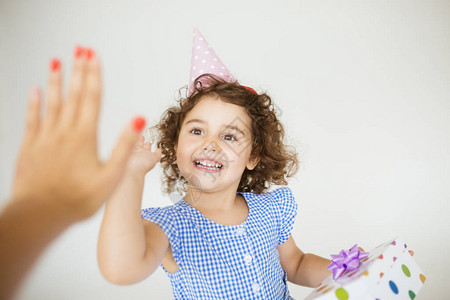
column 214, row 145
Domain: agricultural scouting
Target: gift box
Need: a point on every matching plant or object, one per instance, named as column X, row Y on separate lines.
column 389, row 272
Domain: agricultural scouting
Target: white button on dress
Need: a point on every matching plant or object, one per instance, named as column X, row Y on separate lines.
column 240, row 231
column 248, row 259
column 256, row 287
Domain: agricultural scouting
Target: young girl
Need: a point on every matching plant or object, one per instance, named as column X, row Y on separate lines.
column 227, row 238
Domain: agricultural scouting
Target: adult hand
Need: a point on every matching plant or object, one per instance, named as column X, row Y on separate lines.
column 59, row 177
column 58, row 165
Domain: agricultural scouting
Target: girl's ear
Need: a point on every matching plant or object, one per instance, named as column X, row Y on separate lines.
column 252, row 163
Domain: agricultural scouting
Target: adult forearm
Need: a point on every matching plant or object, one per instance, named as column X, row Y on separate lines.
column 121, row 244
column 312, row 270
column 27, row 227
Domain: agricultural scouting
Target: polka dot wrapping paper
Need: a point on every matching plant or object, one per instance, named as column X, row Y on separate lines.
column 389, row 272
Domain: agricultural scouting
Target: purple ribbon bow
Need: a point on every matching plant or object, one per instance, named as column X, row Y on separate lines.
column 346, row 261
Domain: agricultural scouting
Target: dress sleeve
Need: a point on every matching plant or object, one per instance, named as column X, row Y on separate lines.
column 288, row 211
column 165, row 218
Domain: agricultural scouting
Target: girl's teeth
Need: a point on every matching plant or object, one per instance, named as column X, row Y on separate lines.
column 208, row 168
column 208, row 165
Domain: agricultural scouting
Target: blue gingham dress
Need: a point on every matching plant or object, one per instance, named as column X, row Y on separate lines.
column 229, row 262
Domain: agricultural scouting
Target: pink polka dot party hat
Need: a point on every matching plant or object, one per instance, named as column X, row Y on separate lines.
column 205, row 60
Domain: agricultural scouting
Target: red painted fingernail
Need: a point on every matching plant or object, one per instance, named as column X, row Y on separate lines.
column 90, row 54
column 55, row 64
column 79, row 51
column 138, row 124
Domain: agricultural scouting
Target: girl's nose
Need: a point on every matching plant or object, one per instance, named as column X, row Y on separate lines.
column 210, row 146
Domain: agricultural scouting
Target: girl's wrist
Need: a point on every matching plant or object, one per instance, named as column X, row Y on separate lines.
column 136, row 175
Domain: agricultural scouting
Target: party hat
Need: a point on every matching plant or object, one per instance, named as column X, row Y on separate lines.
column 205, row 60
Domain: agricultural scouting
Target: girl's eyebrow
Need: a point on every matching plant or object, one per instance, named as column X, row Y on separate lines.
column 226, row 126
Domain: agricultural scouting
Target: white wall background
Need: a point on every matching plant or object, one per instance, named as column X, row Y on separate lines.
column 363, row 87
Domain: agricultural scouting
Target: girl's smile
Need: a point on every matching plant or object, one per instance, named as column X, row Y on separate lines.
column 208, row 165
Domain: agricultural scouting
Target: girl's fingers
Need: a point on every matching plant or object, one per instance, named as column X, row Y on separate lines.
column 158, row 154
column 148, row 146
column 33, row 113
column 123, row 149
column 54, row 93
column 141, row 142
column 91, row 93
column 76, row 85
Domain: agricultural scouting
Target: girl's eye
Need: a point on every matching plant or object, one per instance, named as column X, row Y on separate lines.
column 196, row 130
column 232, row 137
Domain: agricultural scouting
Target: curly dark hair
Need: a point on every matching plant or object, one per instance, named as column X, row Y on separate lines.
column 277, row 160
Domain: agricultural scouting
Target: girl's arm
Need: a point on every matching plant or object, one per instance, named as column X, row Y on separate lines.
column 302, row 269
column 128, row 250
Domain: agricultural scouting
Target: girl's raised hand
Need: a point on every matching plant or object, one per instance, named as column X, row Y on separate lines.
column 143, row 159
column 58, row 165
